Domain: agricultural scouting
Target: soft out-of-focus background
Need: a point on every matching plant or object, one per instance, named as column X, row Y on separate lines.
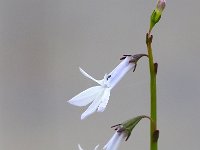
column 42, row 44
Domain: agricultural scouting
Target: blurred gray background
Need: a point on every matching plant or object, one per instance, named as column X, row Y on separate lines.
column 42, row 44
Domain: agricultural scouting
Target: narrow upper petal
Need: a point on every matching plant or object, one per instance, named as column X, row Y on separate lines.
column 93, row 107
column 85, row 97
column 104, row 100
column 79, row 147
column 90, row 77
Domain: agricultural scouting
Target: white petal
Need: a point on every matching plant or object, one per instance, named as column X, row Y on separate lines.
column 120, row 67
column 111, row 141
column 114, row 142
column 85, row 97
column 96, row 147
column 118, row 73
column 104, row 100
column 93, row 107
column 79, row 147
column 118, row 141
column 90, row 77
column 121, row 75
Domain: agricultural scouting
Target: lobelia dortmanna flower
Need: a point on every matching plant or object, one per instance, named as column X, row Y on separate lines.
column 115, row 141
column 98, row 96
column 117, row 138
column 122, row 132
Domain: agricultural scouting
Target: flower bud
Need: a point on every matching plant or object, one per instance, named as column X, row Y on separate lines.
column 156, row 14
column 161, row 5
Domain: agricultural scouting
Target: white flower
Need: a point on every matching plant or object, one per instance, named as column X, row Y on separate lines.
column 114, row 142
column 80, row 148
column 99, row 95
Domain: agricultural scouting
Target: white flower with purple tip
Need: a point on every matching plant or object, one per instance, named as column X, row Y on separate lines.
column 117, row 138
column 98, row 96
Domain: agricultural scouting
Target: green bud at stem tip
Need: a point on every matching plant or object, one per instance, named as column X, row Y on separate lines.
column 156, row 14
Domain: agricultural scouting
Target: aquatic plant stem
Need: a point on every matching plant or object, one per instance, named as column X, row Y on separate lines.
column 154, row 133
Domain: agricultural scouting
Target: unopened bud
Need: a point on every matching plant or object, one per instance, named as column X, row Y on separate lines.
column 161, row 5
column 156, row 14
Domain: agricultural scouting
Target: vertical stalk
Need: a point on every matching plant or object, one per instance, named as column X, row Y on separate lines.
column 153, row 70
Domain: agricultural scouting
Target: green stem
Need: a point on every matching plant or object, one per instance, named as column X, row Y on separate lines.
column 153, row 70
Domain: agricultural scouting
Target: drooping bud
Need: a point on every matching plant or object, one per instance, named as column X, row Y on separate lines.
column 156, row 14
column 161, row 5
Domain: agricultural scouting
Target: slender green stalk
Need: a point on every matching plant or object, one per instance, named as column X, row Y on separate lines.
column 153, row 70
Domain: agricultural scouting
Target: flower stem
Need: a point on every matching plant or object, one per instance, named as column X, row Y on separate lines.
column 154, row 133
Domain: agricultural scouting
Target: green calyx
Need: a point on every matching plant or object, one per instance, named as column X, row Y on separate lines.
column 155, row 17
column 129, row 125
